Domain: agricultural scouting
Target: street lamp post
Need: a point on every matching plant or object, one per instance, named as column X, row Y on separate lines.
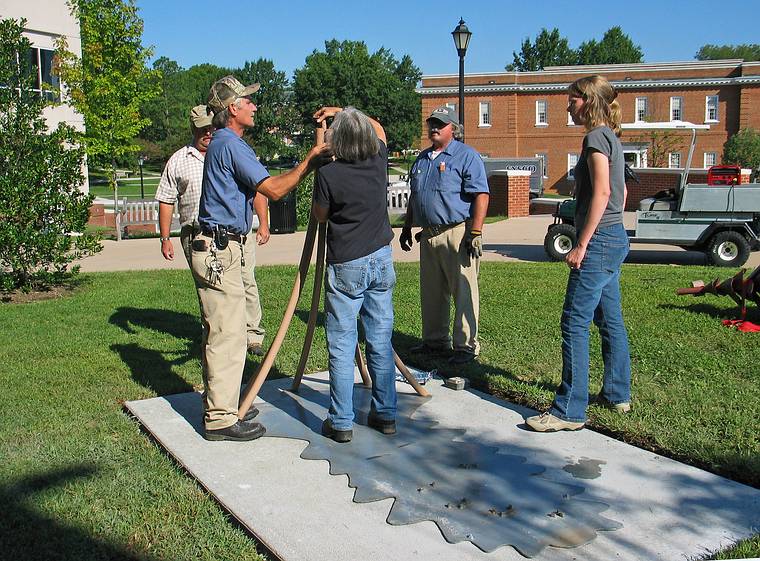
column 461, row 37
column 140, row 162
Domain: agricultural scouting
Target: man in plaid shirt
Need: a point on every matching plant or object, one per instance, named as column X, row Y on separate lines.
column 181, row 184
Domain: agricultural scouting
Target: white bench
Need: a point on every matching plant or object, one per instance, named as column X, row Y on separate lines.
column 398, row 198
column 132, row 213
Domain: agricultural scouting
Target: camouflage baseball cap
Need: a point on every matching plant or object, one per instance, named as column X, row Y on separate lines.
column 445, row 114
column 199, row 117
column 226, row 90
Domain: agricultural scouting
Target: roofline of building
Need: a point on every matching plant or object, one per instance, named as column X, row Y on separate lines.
column 601, row 68
column 619, row 84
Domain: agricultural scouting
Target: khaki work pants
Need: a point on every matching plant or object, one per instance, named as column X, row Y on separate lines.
column 254, row 329
column 447, row 270
column 224, row 338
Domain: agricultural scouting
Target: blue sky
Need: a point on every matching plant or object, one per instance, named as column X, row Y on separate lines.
column 286, row 31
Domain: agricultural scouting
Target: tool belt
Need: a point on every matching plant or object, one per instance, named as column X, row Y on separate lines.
column 440, row 228
column 234, row 237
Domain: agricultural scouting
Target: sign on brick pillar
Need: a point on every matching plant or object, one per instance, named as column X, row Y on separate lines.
column 745, row 175
column 518, row 193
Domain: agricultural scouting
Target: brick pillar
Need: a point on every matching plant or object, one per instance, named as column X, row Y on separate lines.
column 497, row 203
column 518, row 193
column 745, row 175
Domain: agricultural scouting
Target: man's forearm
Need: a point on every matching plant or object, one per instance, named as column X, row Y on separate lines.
column 165, row 211
column 479, row 210
column 261, row 207
column 276, row 187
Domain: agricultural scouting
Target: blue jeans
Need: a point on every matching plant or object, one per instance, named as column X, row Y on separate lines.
column 362, row 287
column 593, row 293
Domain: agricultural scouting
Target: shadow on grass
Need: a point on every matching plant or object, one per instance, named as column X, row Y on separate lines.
column 26, row 533
column 729, row 311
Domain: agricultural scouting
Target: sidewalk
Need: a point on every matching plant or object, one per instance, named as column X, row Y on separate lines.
column 516, row 239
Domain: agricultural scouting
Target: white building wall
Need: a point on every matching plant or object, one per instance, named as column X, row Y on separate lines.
column 46, row 20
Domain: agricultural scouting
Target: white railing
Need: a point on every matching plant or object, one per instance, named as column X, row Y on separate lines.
column 398, row 199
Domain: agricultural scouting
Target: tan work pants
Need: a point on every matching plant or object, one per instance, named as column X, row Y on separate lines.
column 254, row 329
column 447, row 270
column 224, row 345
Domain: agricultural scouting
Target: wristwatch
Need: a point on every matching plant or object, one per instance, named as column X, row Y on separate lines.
column 165, row 239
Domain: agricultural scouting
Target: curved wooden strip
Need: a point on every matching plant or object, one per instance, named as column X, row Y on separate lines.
column 360, row 362
column 409, row 376
column 313, row 312
column 253, row 387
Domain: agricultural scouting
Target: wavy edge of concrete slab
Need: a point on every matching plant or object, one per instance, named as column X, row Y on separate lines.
column 297, row 510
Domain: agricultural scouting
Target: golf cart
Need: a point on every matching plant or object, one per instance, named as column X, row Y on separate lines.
column 720, row 218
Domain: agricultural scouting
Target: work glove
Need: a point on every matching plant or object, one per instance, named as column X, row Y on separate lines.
column 406, row 239
column 473, row 243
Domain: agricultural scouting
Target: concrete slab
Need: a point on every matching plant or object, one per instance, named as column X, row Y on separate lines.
column 662, row 509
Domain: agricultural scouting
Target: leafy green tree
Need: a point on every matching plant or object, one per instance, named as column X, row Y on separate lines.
column 748, row 52
column 548, row 49
column 42, row 210
column 276, row 118
column 615, row 48
column 182, row 89
column 110, row 83
column 345, row 73
column 743, row 149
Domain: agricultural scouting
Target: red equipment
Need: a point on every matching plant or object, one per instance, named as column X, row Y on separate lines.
column 724, row 175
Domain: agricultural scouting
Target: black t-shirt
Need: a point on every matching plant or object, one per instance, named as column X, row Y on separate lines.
column 355, row 194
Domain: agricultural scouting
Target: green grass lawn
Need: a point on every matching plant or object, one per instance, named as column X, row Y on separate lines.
column 81, row 481
column 129, row 189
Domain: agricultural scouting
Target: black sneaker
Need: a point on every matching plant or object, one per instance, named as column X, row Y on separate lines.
column 337, row 435
column 239, row 432
column 461, row 357
column 385, row 426
column 426, row 349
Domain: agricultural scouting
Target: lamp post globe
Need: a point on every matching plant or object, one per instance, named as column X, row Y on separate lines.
column 461, row 35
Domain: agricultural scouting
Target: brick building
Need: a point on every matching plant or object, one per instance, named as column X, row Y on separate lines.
column 523, row 114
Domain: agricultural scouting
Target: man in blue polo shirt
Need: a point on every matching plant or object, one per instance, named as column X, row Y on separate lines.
column 232, row 175
column 449, row 201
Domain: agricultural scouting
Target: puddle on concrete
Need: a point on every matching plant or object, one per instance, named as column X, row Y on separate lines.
column 585, row 468
column 472, row 490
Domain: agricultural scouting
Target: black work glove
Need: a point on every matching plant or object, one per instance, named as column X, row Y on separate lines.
column 406, row 239
column 473, row 243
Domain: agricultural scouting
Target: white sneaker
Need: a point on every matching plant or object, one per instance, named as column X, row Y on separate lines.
column 546, row 422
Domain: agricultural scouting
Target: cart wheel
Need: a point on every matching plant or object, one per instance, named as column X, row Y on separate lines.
column 559, row 240
column 728, row 249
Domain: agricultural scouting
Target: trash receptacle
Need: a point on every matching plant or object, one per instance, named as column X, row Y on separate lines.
column 282, row 214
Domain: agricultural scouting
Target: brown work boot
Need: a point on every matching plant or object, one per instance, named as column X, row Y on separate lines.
column 256, row 349
column 546, row 422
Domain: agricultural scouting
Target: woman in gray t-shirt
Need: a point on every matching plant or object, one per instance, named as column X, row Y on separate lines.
column 593, row 288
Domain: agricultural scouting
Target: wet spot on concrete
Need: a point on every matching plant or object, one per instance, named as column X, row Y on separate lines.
column 585, row 468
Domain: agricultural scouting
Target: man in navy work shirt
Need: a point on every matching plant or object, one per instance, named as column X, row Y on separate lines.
column 232, row 175
column 449, row 201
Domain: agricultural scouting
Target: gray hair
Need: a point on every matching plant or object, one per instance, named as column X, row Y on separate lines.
column 457, row 130
column 222, row 118
column 352, row 136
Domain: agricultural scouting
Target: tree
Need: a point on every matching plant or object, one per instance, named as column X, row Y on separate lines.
column 276, row 118
column 747, row 52
column 548, row 49
column 660, row 143
column 614, row 48
column 110, row 83
column 743, row 149
column 42, row 210
column 378, row 84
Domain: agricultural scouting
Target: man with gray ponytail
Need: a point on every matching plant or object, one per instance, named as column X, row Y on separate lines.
column 449, row 201
column 232, row 176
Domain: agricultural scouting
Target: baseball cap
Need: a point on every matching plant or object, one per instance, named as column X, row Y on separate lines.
column 226, row 90
column 199, row 117
column 444, row 114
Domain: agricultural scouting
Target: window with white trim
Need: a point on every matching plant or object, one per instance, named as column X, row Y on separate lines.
column 711, row 159
column 484, row 114
column 674, row 160
column 542, row 117
column 545, row 162
column 642, row 109
column 41, row 70
column 711, row 109
column 572, row 161
column 676, row 108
